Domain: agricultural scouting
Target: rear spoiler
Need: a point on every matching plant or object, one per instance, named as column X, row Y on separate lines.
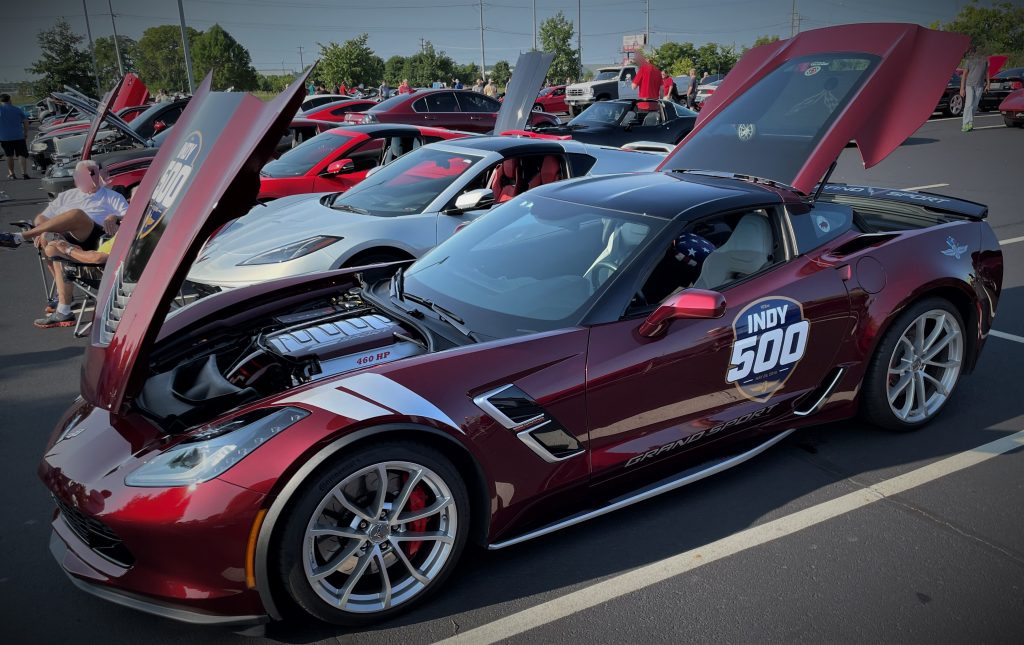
column 931, row 201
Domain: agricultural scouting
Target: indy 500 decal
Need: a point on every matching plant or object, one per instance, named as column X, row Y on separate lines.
column 770, row 339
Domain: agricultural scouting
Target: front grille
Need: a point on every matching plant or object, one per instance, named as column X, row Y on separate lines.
column 574, row 92
column 97, row 535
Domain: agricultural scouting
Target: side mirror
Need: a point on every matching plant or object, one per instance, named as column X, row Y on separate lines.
column 689, row 303
column 474, row 199
column 339, row 167
column 159, row 126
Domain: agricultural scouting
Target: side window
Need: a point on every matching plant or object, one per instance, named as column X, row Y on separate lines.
column 170, row 117
column 559, row 92
column 367, row 154
column 442, row 102
column 820, row 225
column 420, row 105
column 713, row 253
column 473, row 102
column 627, row 74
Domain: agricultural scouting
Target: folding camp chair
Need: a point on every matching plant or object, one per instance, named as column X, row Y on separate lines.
column 85, row 278
column 48, row 284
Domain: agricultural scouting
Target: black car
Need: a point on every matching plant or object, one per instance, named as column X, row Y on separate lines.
column 1000, row 86
column 616, row 123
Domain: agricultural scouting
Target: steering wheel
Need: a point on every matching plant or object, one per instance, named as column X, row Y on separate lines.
column 593, row 272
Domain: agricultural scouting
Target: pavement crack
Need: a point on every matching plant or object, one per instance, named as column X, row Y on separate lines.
column 455, row 624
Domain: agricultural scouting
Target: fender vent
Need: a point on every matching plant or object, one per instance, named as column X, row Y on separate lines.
column 535, row 427
column 861, row 242
column 813, row 400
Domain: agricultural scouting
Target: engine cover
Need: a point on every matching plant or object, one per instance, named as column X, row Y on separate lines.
column 344, row 344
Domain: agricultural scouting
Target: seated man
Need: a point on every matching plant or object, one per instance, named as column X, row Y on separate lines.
column 61, row 316
column 84, row 213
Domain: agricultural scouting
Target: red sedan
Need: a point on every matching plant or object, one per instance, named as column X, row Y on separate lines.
column 454, row 109
column 338, row 159
column 551, row 99
column 338, row 110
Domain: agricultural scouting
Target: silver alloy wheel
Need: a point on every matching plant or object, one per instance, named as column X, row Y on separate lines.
column 956, row 105
column 924, row 366
column 363, row 551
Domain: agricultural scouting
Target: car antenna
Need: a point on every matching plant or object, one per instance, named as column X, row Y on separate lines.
column 824, row 180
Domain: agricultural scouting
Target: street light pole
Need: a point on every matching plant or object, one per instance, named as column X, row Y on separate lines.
column 302, row 65
column 647, row 34
column 579, row 36
column 184, row 44
column 92, row 49
column 117, row 47
column 535, row 25
column 483, row 61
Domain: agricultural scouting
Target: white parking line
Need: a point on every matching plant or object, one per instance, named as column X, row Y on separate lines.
column 647, row 575
column 1012, row 240
column 960, row 118
column 988, row 127
column 1005, row 336
column 926, row 186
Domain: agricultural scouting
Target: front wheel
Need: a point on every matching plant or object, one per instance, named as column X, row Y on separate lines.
column 537, row 107
column 956, row 105
column 374, row 534
column 916, row 366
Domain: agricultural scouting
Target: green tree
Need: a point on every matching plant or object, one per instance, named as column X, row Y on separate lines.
column 675, row 58
column 352, row 62
column 161, row 62
column 557, row 36
column 215, row 50
column 715, row 59
column 501, row 72
column 62, row 61
column 427, row 66
column 996, row 29
column 275, row 83
column 394, row 67
column 106, row 58
column 467, row 73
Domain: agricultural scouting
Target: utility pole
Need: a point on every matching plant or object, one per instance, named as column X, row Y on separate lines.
column 302, row 65
column 794, row 22
column 92, row 50
column 647, row 34
column 579, row 36
column 184, row 44
column 535, row 25
column 117, row 47
column 483, row 61
column 423, row 45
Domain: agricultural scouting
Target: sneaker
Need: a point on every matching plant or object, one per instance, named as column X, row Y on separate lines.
column 25, row 176
column 7, row 240
column 55, row 320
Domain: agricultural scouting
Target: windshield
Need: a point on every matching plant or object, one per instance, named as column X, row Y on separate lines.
column 610, row 75
column 387, row 104
column 602, row 112
column 407, row 185
column 771, row 129
column 532, row 264
column 300, row 159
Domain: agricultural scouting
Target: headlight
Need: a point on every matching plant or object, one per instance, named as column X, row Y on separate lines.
column 210, row 451
column 590, row 91
column 369, row 118
column 38, row 146
column 292, row 251
column 59, row 171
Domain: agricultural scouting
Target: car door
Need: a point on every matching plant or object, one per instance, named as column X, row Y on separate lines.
column 479, row 110
column 443, row 112
column 626, row 89
column 708, row 380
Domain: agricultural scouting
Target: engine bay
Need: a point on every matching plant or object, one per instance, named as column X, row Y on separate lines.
column 313, row 341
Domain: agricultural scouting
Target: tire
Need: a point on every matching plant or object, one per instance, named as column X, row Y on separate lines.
column 955, row 107
column 302, row 559
column 537, row 107
column 1008, row 121
column 899, row 372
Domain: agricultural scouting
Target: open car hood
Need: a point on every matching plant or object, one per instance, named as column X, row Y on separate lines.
column 130, row 91
column 205, row 174
column 100, row 113
column 97, row 121
column 787, row 109
column 521, row 93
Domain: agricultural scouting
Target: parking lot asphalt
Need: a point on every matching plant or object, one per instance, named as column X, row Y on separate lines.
column 930, row 550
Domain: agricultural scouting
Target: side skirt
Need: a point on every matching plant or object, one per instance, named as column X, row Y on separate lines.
column 678, row 481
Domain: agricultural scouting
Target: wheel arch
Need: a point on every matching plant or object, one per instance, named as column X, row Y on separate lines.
column 354, row 259
column 444, row 442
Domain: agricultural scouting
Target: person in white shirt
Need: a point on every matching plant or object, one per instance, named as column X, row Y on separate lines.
column 83, row 214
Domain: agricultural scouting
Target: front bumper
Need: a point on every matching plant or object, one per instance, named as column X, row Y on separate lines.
column 57, row 185
column 1014, row 116
column 71, row 562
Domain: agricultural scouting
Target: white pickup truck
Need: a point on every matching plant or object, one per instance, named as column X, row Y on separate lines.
column 610, row 83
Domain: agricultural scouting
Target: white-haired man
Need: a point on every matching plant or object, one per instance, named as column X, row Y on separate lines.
column 83, row 214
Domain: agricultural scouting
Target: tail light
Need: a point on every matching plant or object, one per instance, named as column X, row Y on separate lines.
column 354, row 117
column 1016, row 85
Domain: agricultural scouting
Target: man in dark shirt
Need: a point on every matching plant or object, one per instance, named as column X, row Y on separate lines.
column 691, row 90
column 13, row 135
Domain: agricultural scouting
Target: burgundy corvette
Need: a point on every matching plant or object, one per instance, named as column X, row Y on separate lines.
column 585, row 345
column 452, row 109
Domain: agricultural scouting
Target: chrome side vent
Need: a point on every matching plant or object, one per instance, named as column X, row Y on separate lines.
column 813, row 400
column 114, row 308
column 534, row 426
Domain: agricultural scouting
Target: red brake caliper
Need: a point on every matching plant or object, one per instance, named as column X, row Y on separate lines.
column 417, row 501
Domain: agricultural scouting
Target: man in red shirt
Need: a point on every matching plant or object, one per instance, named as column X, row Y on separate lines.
column 668, row 88
column 342, row 89
column 647, row 84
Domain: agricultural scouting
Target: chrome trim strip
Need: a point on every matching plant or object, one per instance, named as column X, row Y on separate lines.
column 824, row 395
column 645, row 494
column 483, row 401
column 536, row 446
column 126, row 599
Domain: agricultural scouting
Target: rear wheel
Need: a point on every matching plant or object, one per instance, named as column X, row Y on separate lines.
column 373, row 534
column 956, row 105
column 537, row 107
column 916, row 366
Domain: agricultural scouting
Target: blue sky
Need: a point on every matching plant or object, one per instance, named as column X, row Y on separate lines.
column 273, row 30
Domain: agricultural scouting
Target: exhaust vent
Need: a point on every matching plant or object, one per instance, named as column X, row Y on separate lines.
column 535, row 427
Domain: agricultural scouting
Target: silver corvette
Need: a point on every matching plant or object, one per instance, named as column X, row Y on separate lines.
column 400, row 211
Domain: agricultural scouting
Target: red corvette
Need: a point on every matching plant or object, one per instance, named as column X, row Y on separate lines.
column 337, row 111
column 586, row 345
column 338, row 159
column 551, row 99
column 1012, row 109
column 452, row 109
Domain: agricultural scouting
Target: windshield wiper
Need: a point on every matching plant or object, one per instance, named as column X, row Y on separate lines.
column 443, row 314
column 350, row 209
